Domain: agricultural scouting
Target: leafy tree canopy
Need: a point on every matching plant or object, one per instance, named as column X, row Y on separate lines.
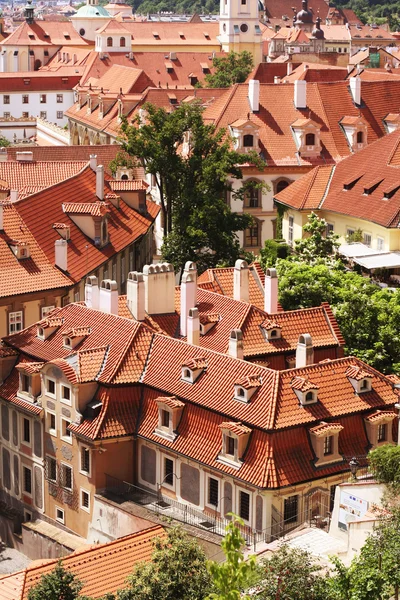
column 385, row 465
column 58, row 584
column 230, row 69
column 4, row 142
column 178, row 569
column 191, row 162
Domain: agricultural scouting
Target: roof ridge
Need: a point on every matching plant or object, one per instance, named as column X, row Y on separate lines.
column 328, row 184
column 228, row 100
column 333, row 324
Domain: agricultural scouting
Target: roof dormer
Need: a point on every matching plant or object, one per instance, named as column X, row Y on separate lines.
column 46, row 327
column 379, row 427
column 271, row 330
column 29, row 380
column 193, row 368
column 8, row 356
column 208, row 321
column 74, row 336
column 169, row 415
column 306, row 134
column 392, row 122
column 246, row 135
column 19, row 249
column 355, row 130
column 325, row 442
column 305, row 390
column 63, row 230
column 360, row 379
column 235, row 437
column 246, row 387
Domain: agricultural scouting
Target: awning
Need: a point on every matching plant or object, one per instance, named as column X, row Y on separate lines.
column 357, row 249
column 388, row 260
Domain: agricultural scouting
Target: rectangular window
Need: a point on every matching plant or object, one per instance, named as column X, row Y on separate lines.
column 168, row 471
column 60, row 98
column 165, row 418
column 25, row 382
column 43, row 114
column 367, row 239
column 27, row 480
column 51, row 423
column 123, row 267
column 382, row 432
column 114, row 271
column 65, row 432
column 230, row 445
column 66, row 476
column 26, row 432
column 66, row 394
column 131, row 261
column 329, row 228
column 244, row 506
column 51, row 468
column 380, row 243
column 328, row 445
column 46, row 309
column 15, row 322
column 290, row 233
column 213, row 491
column 290, row 509
column 25, row 115
column 25, row 99
column 77, row 296
column 332, row 498
column 60, row 114
column 85, row 460
column 6, row 99
column 252, row 235
column 60, row 515
column 6, row 115
column 51, row 387
column 85, row 500
column 43, row 98
column 350, row 232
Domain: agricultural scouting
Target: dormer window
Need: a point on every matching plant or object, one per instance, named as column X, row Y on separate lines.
column 20, row 249
column 305, row 390
column 271, row 330
column 46, row 327
column 246, row 387
column 325, row 442
column 392, row 122
column 307, row 137
column 245, row 134
column 355, row 130
column 104, row 231
column 67, row 342
column 360, row 380
column 169, row 415
column 29, row 380
column 379, row 428
column 310, row 139
column 207, row 322
column 74, row 336
column 193, row 368
column 248, row 140
column 235, row 437
column 40, row 332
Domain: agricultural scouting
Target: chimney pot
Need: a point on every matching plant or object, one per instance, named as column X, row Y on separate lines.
column 61, row 254
column 241, row 281
column 159, row 285
column 236, row 344
column 271, row 291
column 355, row 89
column 93, row 162
column 193, row 327
column 188, row 294
column 304, row 351
column 13, row 195
column 289, row 68
column 100, row 182
column 135, row 295
column 92, row 292
column 108, row 297
column 300, row 93
column 254, row 95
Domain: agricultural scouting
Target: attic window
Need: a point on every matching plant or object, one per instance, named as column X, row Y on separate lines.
column 325, row 442
column 40, row 333
column 170, row 67
column 371, row 188
column 235, row 437
column 27, row 81
column 206, row 35
column 46, row 35
column 181, row 35
column 67, row 36
column 305, row 390
column 360, row 380
column 156, row 35
column 193, row 368
column 31, row 36
column 20, row 249
column 67, row 342
column 350, row 184
column 271, row 330
column 205, row 67
column 390, row 193
column 246, row 387
column 172, row 99
column 169, row 415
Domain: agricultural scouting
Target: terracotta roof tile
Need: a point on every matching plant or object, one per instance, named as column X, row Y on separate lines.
column 44, row 34
column 128, row 185
column 170, row 401
column 303, row 385
column 356, row 372
column 30, row 367
column 381, row 415
column 236, row 428
column 250, row 381
column 197, row 362
column 324, row 427
column 96, row 209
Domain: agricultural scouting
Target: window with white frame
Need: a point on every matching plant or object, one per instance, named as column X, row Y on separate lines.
column 27, row 480
column 66, row 394
column 43, row 98
column 43, row 115
column 380, row 243
column 60, row 515
column 244, row 505
column 85, row 460
column 65, row 432
column 367, row 239
column 51, row 423
column 6, row 115
column 66, row 476
column 60, row 114
column 168, row 471
column 50, row 387
column 85, row 500
column 45, row 310
column 77, row 296
column 60, row 98
column 290, row 230
column 15, row 322
column 213, row 492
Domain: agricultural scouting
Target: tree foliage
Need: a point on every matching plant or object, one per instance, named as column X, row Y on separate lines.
column 232, row 577
column 59, row 584
column 4, row 142
column 178, row 569
column 319, row 243
column 191, row 162
column 385, row 465
column 230, row 69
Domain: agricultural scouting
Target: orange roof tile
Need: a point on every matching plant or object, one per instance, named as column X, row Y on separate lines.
column 170, row 401
column 129, row 185
column 250, row 381
column 44, row 34
column 324, row 427
column 96, row 209
column 197, row 362
column 30, row 367
column 357, row 373
column 236, row 428
column 303, row 385
column 381, row 415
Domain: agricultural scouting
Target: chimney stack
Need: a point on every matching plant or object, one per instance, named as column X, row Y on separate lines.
column 355, row 89
column 93, row 162
column 300, row 93
column 289, row 68
column 61, row 254
column 304, row 351
column 159, row 285
column 92, row 292
column 108, row 297
column 236, row 344
column 241, row 281
column 254, row 95
column 100, row 182
column 193, row 327
column 277, row 79
column 135, row 294
column 271, row 291
column 188, row 294
column 13, row 195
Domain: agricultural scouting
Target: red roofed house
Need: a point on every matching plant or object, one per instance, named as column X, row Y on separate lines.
column 94, row 404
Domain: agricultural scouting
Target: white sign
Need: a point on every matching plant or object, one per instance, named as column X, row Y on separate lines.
column 351, row 508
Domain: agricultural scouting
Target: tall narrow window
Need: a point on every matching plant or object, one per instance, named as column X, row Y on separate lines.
column 85, row 460
column 244, row 505
column 328, row 445
column 290, row 511
column 122, row 42
column 310, row 139
column 213, row 488
column 27, row 475
column 168, row 471
column 382, row 432
column 26, row 435
column 109, row 42
column 290, row 232
column 248, row 140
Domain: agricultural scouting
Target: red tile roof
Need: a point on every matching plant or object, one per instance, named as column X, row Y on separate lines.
column 44, row 34
column 236, row 428
column 33, row 81
column 33, row 176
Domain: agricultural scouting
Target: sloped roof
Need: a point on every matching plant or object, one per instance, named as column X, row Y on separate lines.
column 45, row 33
column 34, row 176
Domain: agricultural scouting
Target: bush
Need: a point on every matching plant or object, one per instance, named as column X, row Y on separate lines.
column 385, row 465
column 273, row 249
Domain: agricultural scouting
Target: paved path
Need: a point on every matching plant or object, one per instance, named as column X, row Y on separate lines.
column 11, row 560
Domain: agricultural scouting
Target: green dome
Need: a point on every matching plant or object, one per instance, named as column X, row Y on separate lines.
column 92, row 11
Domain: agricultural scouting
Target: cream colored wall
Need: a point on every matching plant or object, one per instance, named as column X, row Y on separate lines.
column 299, row 220
column 31, row 309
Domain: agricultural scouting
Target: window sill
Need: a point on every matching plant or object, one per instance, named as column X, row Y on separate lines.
column 68, row 440
column 166, row 435
column 229, row 462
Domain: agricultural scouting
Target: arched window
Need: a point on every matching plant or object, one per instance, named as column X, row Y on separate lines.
column 109, row 42
column 310, row 139
column 309, row 397
column 252, row 196
column 122, row 42
column 248, row 141
column 281, row 185
column 124, row 177
column 360, row 137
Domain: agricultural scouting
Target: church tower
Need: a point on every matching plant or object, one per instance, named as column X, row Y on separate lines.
column 239, row 27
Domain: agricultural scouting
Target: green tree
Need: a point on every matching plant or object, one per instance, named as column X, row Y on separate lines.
column 178, row 569
column 234, row 575
column 191, row 162
column 59, row 584
column 385, row 465
column 292, row 574
column 230, row 69
column 273, row 249
column 320, row 243
column 4, row 142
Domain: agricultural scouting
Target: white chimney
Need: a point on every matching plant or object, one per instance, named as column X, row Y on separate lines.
column 13, row 195
column 108, row 301
column 3, row 155
column 92, row 292
column 289, row 68
column 188, row 293
column 61, row 254
column 241, row 281
column 100, row 182
column 254, row 95
column 271, row 291
column 277, row 79
column 135, row 295
column 300, row 93
column 24, row 156
column 193, row 327
column 159, row 285
column 304, row 351
column 236, row 344
column 355, row 89
column 93, row 162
